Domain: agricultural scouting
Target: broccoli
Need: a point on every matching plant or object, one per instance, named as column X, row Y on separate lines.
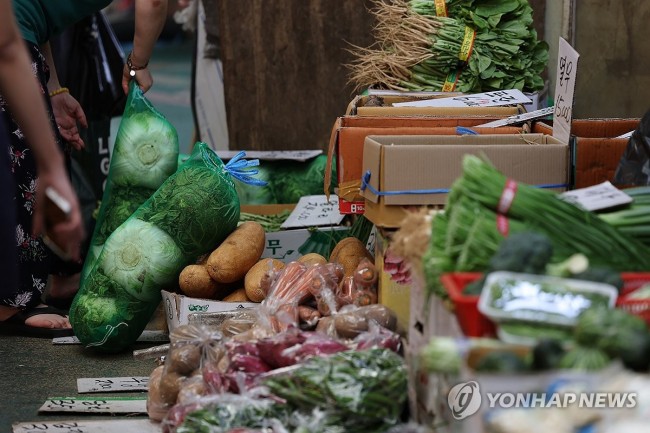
column 601, row 274
column 526, row 252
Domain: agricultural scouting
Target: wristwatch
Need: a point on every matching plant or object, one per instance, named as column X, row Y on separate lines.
column 132, row 67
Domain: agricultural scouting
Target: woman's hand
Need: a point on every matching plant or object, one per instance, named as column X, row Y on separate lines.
column 66, row 234
column 67, row 112
column 142, row 77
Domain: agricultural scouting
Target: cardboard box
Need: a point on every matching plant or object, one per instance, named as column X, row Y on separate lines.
column 360, row 106
column 178, row 307
column 595, row 148
column 425, row 163
column 289, row 245
column 349, row 133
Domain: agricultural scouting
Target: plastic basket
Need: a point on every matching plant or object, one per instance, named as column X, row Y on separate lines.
column 470, row 319
column 475, row 324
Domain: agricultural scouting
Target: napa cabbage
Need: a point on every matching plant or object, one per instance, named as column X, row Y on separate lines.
column 141, row 258
column 144, row 156
column 190, row 214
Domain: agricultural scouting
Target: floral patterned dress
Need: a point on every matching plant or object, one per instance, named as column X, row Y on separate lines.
column 34, row 258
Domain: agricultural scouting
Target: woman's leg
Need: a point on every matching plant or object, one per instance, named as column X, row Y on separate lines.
column 28, row 251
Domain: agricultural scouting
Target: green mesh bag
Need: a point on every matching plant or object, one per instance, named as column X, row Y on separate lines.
column 145, row 154
column 191, row 213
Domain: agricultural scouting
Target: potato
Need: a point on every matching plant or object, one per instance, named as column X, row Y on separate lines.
column 349, row 325
column 253, row 278
column 184, row 359
column 238, row 253
column 156, row 408
column 349, row 252
column 381, row 314
column 170, row 384
column 312, row 259
column 195, row 282
column 238, row 295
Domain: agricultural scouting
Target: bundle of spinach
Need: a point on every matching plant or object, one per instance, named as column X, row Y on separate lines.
column 467, row 46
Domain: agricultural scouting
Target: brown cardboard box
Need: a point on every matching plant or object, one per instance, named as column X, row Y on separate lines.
column 349, row 133
column 359, row 106
column 414, row 163
column 596, row 150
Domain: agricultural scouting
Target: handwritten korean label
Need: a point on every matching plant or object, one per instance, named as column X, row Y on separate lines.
column 487, row 99
column 112, row 384
column 567, row 68
column 95, row 405
column 314, row 211
column 82, row 426
column 597, row 197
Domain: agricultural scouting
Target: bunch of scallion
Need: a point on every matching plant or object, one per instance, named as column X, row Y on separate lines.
column 418, row 50
column 634, row 219
column 469, row 232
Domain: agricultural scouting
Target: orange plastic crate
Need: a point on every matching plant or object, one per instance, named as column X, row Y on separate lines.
column 470, row 319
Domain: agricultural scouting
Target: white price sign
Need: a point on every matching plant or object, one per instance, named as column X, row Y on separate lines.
column 112, row 384
column 95, row 405
column 597, row 197
column 567, row 68
column 314, row 211
column 83, row 426
column 145, row 337
column 488, row 99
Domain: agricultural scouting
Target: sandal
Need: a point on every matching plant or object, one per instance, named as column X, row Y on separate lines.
column 15, row 325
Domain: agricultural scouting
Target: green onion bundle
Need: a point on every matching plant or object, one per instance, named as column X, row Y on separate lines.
column 468, row 233
column 582, row 231
column 633, row 220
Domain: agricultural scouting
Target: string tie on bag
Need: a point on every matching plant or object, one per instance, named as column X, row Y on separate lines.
column 239, row 168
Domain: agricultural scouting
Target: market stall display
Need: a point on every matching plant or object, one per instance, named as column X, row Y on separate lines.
column 147, row 252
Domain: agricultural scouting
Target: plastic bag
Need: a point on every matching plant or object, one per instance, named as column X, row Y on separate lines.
column 634, row 166
column 144, row 156
column 193, row 211
column 180, row 377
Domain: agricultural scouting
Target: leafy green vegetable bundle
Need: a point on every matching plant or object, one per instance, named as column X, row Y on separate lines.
column 145, row 154
column 193, row 211
column 359, row 391
column 460, row 45
column 484, row 207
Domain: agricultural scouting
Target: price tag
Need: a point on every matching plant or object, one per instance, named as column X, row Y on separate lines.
column 95, row 405
column 272, row 155
column 487, row 99
column 597, row 197
column 567, row 68
column 627, row 135
column 103, row 426
column 112, row 384
column 314, row 211
column 145, row 337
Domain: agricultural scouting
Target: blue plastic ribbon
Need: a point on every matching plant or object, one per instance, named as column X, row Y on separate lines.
column 239, row 168
column 365, row 184
column 460, row 130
